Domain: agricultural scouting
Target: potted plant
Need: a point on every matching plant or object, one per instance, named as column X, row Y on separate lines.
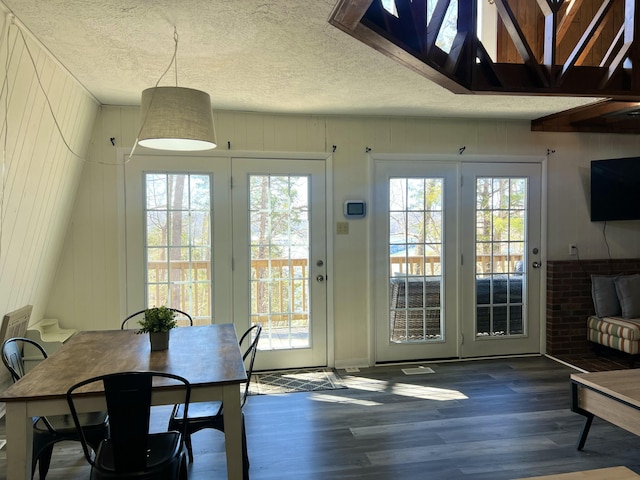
column 157, row 322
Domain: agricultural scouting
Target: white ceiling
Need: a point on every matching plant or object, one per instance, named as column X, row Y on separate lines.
column 278, row 56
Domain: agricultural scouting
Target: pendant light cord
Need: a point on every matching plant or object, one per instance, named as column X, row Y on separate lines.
column 174, row 63
column 174, row 59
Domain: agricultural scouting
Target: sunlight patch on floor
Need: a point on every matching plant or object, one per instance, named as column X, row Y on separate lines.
column 404, row 389
column 323, row 397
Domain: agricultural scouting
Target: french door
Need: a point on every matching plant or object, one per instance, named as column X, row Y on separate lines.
column 254, row 254
column 457, row 249
column 280, row 258
column 416, row 261
column 501, row 242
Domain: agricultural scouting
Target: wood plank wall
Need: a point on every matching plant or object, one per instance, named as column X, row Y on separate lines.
column 41, row 175
column 531, row 21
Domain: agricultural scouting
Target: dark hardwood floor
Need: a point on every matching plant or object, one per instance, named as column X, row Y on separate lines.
column 477, row 420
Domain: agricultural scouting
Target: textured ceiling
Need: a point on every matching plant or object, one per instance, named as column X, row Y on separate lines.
column 278, row 56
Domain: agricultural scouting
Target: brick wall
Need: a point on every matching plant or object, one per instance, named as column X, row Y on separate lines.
column 569, row 300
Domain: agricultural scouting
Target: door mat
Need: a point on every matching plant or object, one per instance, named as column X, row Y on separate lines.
column 291, row 381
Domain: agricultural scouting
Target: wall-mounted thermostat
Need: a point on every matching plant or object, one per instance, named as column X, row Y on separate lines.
column 355, row 209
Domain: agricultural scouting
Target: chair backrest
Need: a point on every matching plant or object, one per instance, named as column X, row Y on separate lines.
column 250, row 338
column 12, row 355
column 128, row 396
column 179, row 313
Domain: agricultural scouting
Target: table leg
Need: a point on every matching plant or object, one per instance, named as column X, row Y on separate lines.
column 582, row 438
column 19, row 441
column 233, row 430
column 585, row 431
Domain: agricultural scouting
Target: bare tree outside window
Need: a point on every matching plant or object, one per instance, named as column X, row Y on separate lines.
column 178, row 243
column 279, row 249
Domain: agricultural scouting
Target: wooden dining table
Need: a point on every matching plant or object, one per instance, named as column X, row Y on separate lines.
column 208, row 356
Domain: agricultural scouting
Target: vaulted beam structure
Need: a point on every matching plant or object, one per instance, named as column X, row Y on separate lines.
column 410, row 35
column 542, row 47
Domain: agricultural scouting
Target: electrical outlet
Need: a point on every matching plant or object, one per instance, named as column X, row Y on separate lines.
column 573, row 249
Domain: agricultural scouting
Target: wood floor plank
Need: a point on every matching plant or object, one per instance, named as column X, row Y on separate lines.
column 478, row 420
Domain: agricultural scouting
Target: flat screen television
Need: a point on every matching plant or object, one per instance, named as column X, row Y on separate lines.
column 615, row 189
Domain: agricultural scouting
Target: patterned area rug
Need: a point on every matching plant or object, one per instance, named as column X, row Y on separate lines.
column 290, row 381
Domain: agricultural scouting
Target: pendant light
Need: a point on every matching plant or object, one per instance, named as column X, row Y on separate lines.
column 176, row 118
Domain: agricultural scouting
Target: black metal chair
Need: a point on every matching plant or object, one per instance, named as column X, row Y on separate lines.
column 131, row 451
column 50, row 430
column 211, row 414
column 141, row 312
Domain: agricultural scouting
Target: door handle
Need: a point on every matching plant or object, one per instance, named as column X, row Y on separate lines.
column 536, row 265
column 320, row 278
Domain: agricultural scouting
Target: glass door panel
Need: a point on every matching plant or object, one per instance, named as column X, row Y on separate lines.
column 415, row 286
column 415, row 250
column 178, row 246
column 279, row 226
column 501, row 218
column 177, row 229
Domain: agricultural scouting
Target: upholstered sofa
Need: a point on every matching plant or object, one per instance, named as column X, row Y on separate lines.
column 616, row 323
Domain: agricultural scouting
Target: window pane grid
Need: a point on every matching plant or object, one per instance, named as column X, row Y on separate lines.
column 415, row 259
column 500, row 256
column 178, row 246
column 279, row 250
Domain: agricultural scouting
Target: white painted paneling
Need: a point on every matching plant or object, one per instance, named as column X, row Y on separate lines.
column 88, row 288
column 41, row 174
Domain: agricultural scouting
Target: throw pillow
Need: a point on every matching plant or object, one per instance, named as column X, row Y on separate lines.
column 628, row 288
column 605, row 296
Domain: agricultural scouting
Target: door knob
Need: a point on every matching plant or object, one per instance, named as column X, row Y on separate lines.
column 320, row 278
column 536, row 265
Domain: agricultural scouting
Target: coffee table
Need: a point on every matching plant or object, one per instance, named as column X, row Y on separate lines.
column 613, row 396
column 619, row 473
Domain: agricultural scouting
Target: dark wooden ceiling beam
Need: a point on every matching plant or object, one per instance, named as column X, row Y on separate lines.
column 602, row 117
column 344, row 19
column 347, row 14
column 468, row 68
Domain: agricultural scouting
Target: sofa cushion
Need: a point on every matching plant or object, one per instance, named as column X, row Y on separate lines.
column 611, row 341
column 628, row 289
column 615, row 327
column 605, row 296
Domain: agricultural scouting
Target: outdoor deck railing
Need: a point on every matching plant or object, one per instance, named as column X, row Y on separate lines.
column 430, row 264
column 278, row 300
